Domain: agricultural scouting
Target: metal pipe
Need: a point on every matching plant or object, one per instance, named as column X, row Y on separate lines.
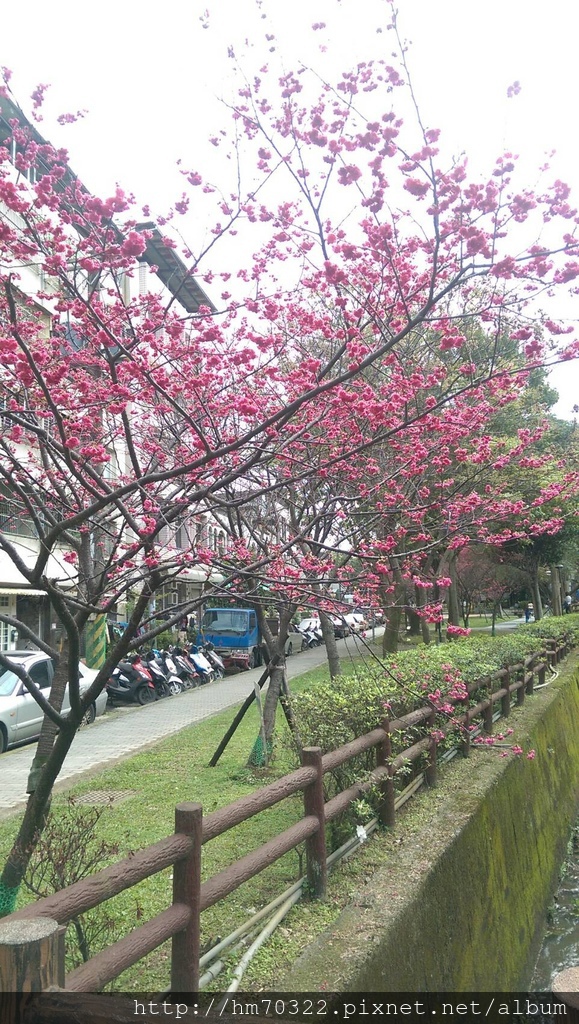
column 261, row 938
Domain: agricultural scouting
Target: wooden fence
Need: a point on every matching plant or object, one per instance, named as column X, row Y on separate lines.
column 31, row 939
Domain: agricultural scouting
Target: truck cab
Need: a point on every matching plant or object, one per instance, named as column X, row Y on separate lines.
column 234, row 633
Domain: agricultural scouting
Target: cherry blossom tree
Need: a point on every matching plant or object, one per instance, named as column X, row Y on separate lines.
column 484, row 575
column 355, row 235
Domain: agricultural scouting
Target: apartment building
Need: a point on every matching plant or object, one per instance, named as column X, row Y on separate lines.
column 159, row 270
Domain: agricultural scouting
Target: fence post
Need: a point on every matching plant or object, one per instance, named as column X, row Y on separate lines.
column 465, row 729
column 530, row 681
column 523, row 682
column 488, row 711
column 317, row 870
column 186, row 889
column 430, row 773
column 506, row 700
column 387, row 810
column 31, row 955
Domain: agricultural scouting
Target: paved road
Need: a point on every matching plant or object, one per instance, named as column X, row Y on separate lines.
column 128, row 730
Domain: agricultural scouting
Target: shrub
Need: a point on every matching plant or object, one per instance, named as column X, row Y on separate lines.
column 335, row 713
column 555, row 628
column 67, row 851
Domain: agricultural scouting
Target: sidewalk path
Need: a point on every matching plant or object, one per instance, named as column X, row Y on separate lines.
column 128, row 730
column 501, row 625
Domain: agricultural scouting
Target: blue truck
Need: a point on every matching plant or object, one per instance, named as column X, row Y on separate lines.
column 235, row 634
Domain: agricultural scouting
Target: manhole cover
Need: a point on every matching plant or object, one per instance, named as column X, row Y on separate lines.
column 104, row 796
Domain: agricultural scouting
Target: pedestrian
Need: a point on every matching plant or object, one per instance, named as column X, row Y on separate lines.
column 528, row 612
column 568, row 601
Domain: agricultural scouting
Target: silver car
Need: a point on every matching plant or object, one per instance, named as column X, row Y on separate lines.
column 20, row 716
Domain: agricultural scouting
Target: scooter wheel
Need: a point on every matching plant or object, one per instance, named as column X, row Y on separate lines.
column 145, row 695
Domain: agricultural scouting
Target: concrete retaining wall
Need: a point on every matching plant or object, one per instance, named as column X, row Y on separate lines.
column 470, row 869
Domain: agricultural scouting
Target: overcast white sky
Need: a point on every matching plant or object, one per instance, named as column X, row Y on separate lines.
column 149, row 75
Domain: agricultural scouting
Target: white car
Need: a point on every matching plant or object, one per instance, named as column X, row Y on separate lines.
column 307, row 625
column 20, row 716
column 295, row 642
column 356, row 622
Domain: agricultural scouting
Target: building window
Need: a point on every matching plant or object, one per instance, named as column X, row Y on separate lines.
column 7, row 602
column 181, row 537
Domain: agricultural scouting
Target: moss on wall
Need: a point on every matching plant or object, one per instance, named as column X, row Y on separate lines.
column 473, row 864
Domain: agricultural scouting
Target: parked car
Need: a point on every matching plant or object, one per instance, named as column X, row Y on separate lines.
column 313, row 625
column 307, row 625
column 341, row 627
column 295, row 642
column 356, row 622
column 20, row 716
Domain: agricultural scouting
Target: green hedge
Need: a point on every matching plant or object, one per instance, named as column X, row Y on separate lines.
column 334, row 713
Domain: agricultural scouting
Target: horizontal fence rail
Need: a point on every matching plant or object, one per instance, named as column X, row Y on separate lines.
column 182, row 851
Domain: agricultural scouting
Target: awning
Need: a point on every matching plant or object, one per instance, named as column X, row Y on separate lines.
column 56, row 569
column 190, row 575
column 22, row 590
column 196, row 573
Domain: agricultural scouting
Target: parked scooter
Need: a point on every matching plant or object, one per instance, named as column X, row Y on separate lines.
column 310, row 638
column 214, row 659
column 131, row 684
column 173, row 681
column 166, row 684
column 203, row 667
column 185, row 668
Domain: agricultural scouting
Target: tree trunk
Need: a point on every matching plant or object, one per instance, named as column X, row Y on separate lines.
column 49, row 728
column 329, row 635
column 275, row 646
column 413, row 621
column 33, row 821
column 537, row 603
column 394, row 612
column 273, row 693
column 556, row 603
column 392, row 629
column 259, row 757
column 420, row 603
column 453, row 603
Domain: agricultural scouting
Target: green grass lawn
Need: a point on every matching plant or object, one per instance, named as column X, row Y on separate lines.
column 486, row 620
column 175, row 770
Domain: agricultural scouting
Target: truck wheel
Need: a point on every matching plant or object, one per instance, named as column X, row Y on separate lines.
column 252, row 660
